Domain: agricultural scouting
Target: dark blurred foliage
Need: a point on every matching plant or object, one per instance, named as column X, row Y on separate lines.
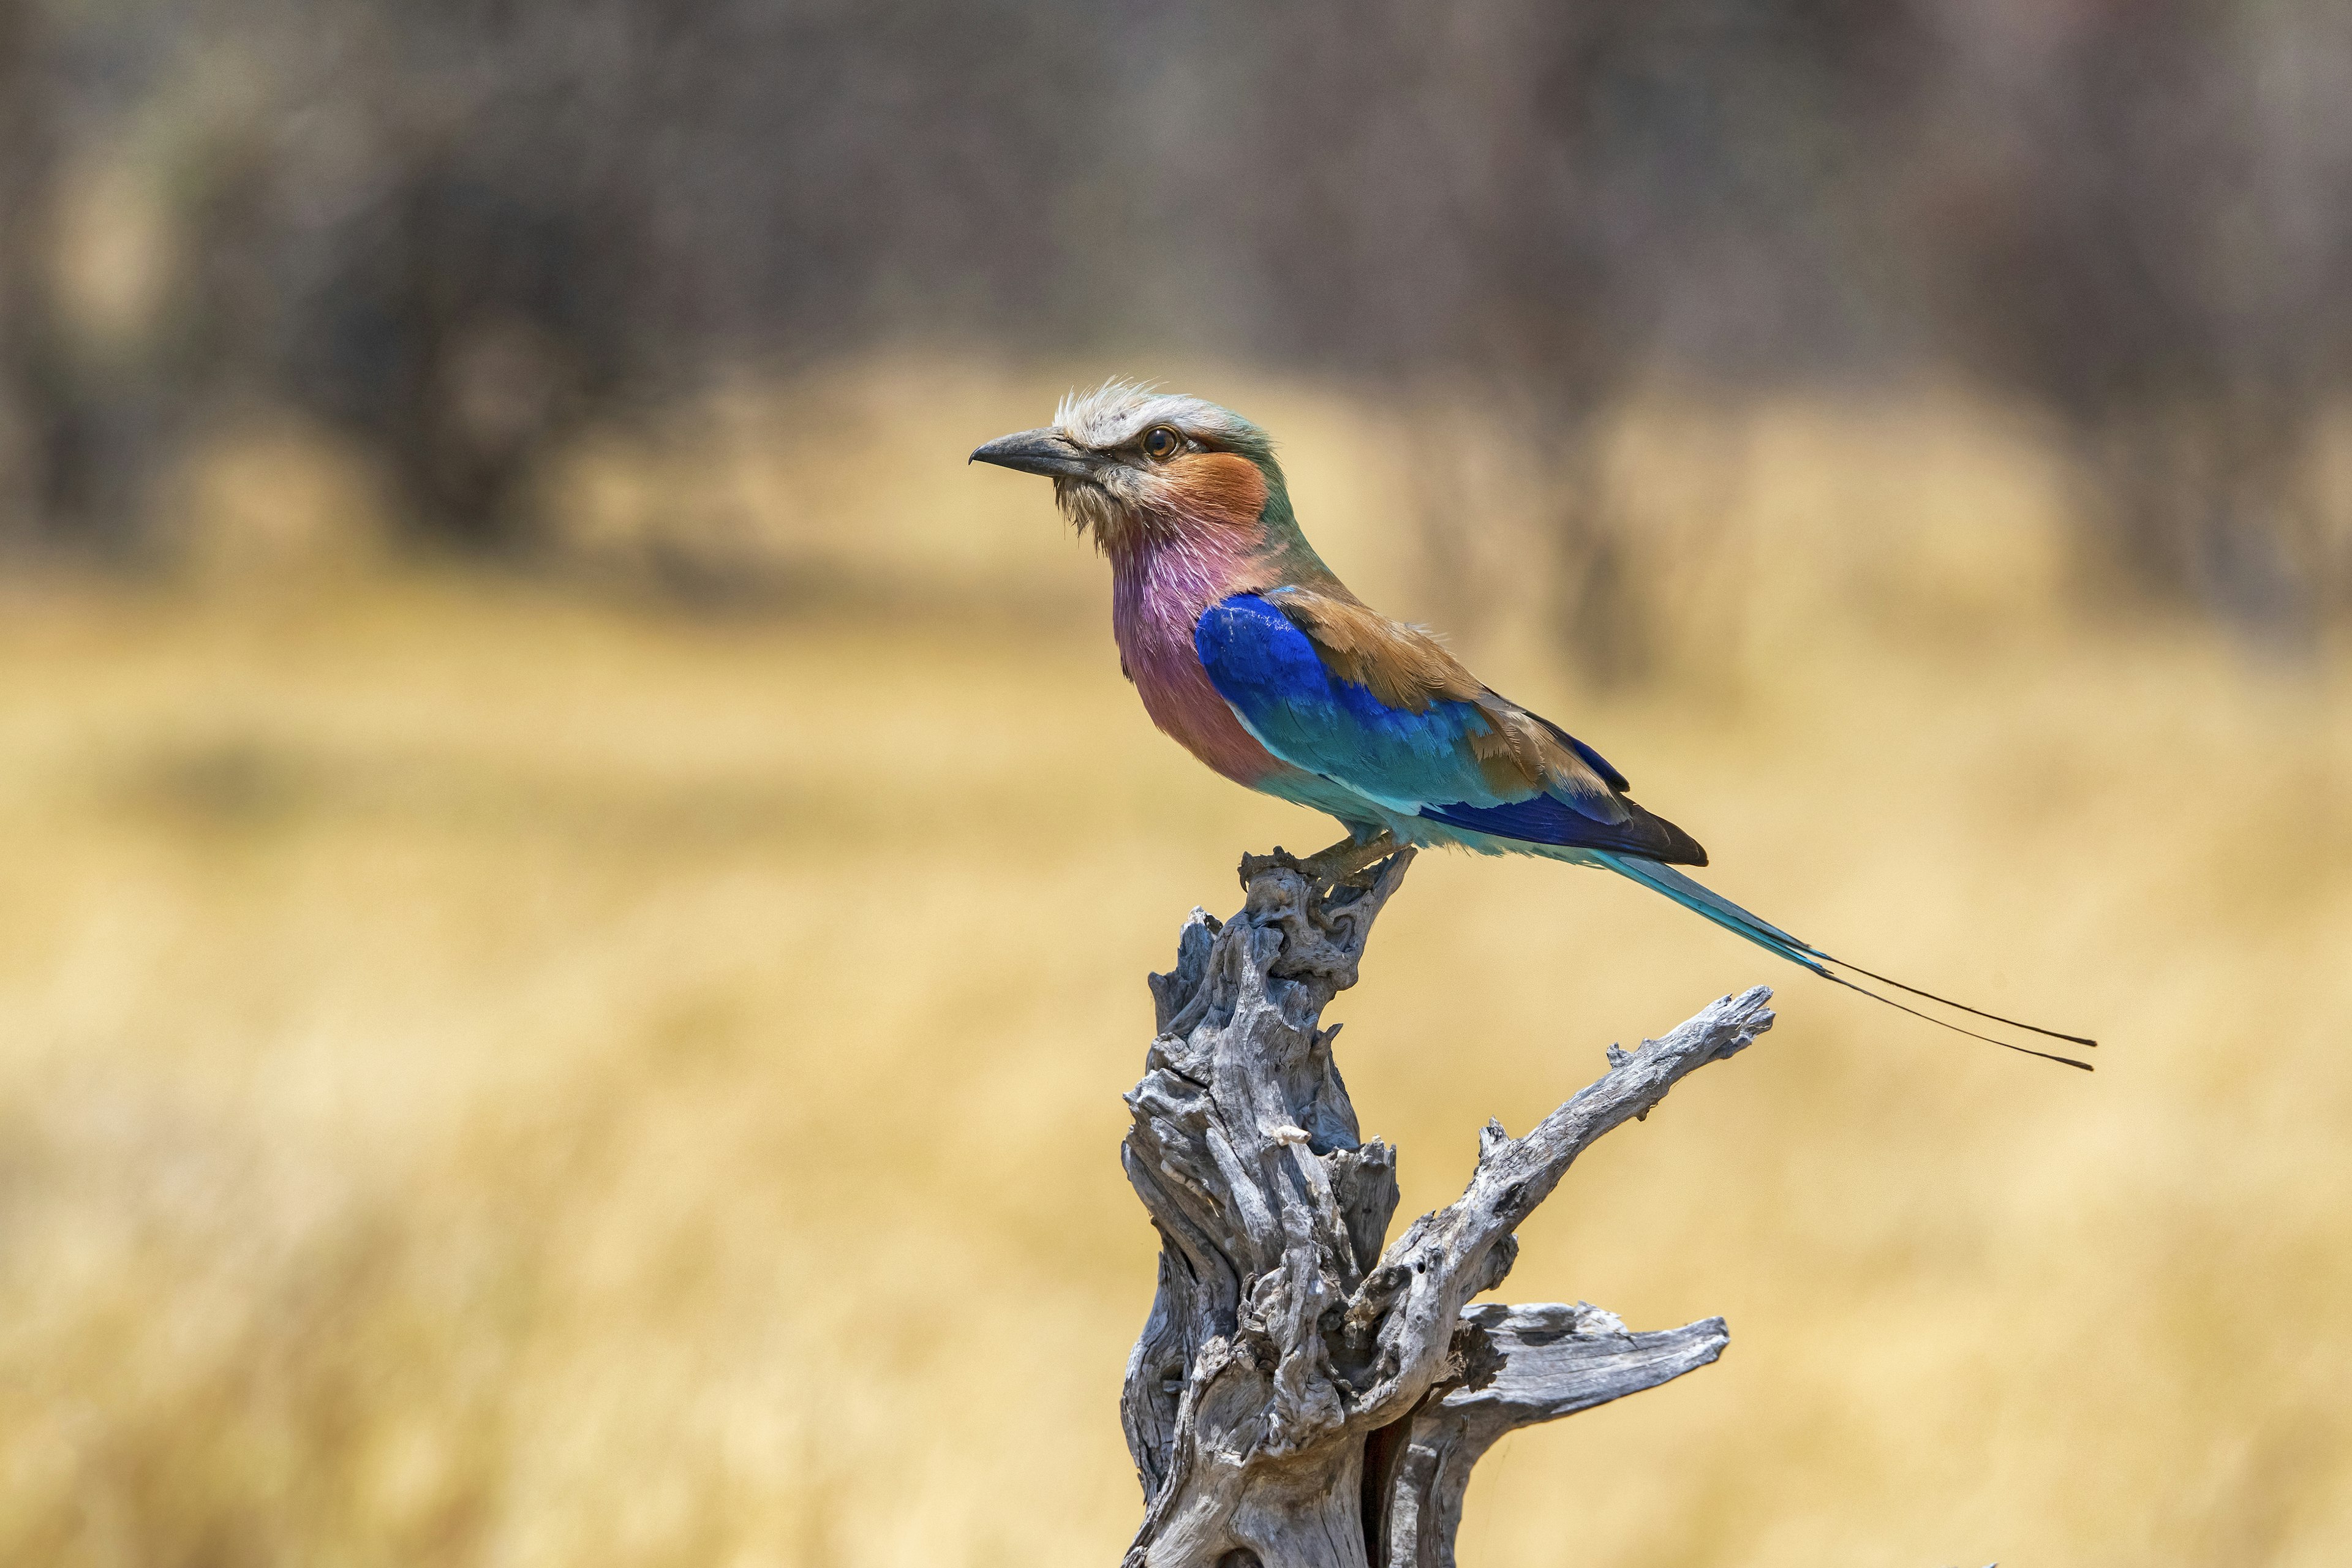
column 2146, row 218
column 464, row 229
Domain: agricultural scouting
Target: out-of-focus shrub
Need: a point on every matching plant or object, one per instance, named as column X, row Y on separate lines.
column 470, row 235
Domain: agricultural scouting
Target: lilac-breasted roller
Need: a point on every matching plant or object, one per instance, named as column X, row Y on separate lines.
column 1249, row 651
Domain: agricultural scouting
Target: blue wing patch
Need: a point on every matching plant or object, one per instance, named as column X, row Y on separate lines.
column 1547, row 819
column 1414, row 765
column 1277, row 684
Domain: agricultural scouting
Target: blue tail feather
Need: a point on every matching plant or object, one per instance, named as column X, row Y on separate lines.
column 1707, row 903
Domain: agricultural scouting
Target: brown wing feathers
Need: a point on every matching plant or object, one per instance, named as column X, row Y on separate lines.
column 1405, row 667
column 1402, row 666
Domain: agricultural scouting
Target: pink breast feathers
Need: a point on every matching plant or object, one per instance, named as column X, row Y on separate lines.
column 1162, row 585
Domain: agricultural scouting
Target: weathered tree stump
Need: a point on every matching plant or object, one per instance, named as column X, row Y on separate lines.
column 1301, row 1398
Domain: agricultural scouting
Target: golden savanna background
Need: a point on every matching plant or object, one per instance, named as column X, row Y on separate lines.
column 575, row 886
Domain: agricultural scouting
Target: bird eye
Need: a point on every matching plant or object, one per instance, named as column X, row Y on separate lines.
column 1162, row 443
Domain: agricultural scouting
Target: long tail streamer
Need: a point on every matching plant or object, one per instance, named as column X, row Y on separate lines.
column 1704, row 901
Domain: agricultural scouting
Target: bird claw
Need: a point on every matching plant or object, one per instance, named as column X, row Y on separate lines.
column 1349, row 863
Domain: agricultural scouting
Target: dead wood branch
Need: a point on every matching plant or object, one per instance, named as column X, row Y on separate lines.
column 1303, row 1396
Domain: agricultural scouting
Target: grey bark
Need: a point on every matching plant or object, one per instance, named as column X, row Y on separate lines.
column 1303, row 1395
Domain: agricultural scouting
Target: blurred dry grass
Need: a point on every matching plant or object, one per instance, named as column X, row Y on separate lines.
column 503, row 1074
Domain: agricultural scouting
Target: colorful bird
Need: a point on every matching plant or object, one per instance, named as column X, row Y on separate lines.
column 1250, row 652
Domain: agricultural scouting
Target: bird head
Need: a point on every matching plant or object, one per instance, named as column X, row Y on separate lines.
column 1132, row 465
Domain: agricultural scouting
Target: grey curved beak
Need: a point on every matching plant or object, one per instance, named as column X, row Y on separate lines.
column 1046, row 451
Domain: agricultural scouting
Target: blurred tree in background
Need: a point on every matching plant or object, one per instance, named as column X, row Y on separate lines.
column 2142, row 217
column 465, row 231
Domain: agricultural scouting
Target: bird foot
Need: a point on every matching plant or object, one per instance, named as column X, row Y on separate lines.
column 1344, row 864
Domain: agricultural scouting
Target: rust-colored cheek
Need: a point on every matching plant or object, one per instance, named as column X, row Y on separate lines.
column 1215, row 487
